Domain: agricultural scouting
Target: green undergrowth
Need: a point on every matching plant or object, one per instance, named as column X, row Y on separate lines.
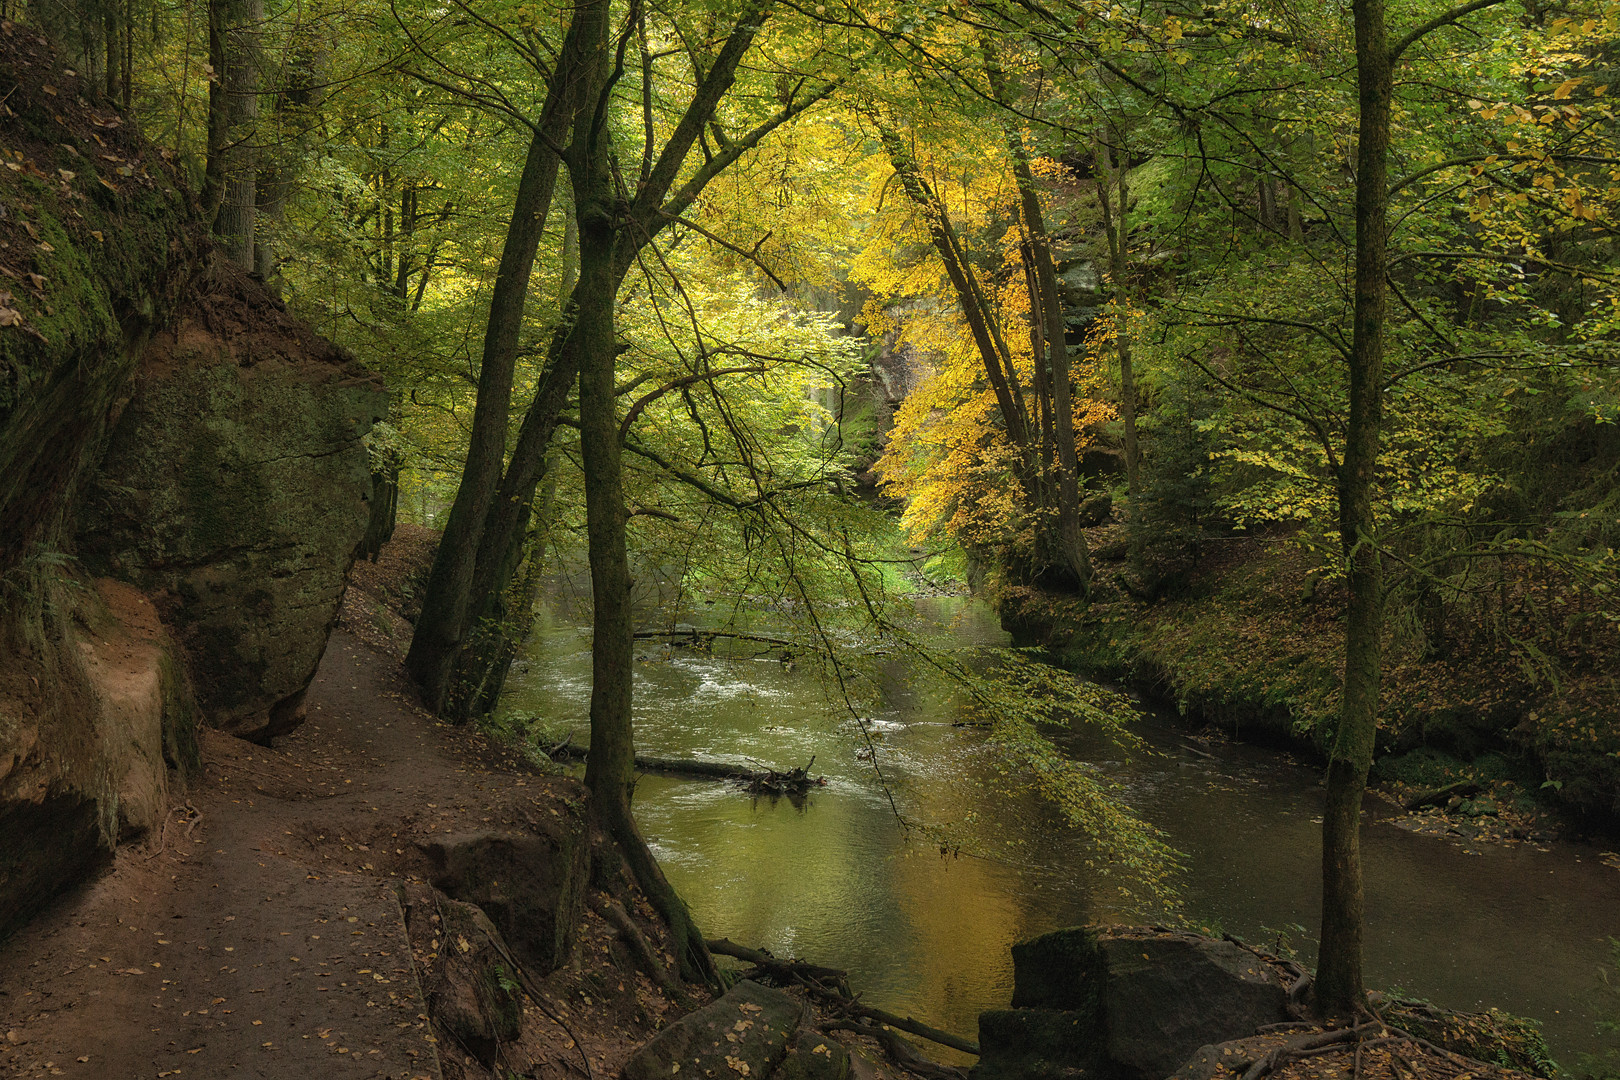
column 1252, row 642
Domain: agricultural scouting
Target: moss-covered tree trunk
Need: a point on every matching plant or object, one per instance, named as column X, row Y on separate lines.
column 1339, row 984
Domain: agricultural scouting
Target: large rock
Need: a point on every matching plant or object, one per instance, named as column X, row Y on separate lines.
column 94, row 254
column 93, row 762
column 741, row 1035
column 475, row 993
column 531, row 884
column 234, row 491
column 1038, row 1044
column 1125, row 1001
column 1169, row 994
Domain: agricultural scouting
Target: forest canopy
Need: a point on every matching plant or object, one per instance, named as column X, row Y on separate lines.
column 708, row 289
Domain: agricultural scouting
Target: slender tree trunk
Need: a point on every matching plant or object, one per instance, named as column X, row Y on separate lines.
column 1111, row 180
column 230, row 179
column 1071, row 539
column 1339, row 984
column 997, row 366
column 447, row 616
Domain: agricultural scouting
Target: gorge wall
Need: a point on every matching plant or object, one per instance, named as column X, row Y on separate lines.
column 183, row 483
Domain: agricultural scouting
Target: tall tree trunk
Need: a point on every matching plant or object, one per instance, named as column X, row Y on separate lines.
column 1072, row 551
column 1112, row 182
column 448, row 615
column 1339, row 985
column 230, row 180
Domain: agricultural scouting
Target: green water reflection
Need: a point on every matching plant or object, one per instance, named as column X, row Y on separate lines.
column 836, row 879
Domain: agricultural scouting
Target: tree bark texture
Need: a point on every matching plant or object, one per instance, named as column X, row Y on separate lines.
column 448, row 614
column 230, row 181
column 1339, row 984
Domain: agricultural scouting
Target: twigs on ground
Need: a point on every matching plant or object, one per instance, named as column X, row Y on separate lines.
column 830, row 986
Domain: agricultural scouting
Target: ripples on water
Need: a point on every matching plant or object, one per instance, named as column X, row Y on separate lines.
column 834, row 878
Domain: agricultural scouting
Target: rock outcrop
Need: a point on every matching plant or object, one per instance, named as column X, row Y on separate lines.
column 1128, row 1002
column 744, row 1033
column 530, row 882
column 227, row 482
column 475, row 992
column 94, row 245
column 92, row 762
column 234, row 492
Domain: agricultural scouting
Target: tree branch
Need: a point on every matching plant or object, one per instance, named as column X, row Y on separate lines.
column 1436, row 23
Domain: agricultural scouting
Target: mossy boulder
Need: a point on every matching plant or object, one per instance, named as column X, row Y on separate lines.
column 741, row 1035
column 234, row 490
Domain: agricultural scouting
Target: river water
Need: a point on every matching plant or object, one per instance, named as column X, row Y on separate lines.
column 836, row 879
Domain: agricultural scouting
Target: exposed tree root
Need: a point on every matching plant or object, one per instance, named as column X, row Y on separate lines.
column 696, row 965
column 830, row 986
column 631, row 934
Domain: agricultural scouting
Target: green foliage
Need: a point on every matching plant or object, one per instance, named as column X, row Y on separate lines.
column 1513, row 1042
column 1606, row 1064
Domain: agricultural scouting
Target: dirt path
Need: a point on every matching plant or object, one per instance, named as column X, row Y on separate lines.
column 261, row 935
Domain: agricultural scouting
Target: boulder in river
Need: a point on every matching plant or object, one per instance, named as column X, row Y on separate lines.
column 1131, row 1002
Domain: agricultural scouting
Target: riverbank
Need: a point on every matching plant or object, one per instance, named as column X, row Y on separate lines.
column 1252, row 643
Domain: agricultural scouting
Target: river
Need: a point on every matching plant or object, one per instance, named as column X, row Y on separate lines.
column 835, row 878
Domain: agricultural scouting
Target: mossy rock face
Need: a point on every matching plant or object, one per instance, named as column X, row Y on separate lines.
column 235, row 490
column 96, row 241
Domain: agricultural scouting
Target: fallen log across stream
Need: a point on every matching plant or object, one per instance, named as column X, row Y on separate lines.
column 830, row 986
column 759, row 781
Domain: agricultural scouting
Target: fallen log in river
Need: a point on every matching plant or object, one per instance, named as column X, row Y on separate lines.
column 758, row 781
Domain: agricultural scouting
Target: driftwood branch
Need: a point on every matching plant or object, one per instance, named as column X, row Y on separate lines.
column 759, row 781
column 691, row 635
